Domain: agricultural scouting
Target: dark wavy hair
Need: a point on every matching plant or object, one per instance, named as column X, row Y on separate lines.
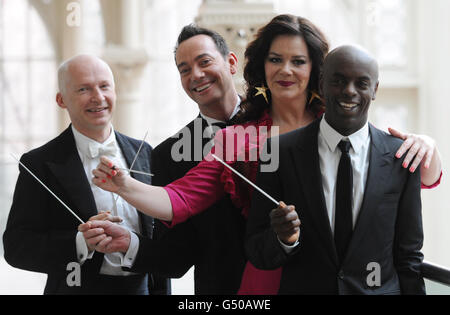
column 192, row 30
column 258, row 50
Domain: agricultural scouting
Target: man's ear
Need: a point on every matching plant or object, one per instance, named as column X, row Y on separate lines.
column 60, row 100
column 375, row 91
column 233, row 61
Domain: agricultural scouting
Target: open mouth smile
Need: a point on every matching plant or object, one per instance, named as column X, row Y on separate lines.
column 97, row 110
column 348, row 106
column 202, row 88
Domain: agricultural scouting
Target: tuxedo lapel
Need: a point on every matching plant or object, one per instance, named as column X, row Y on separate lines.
column 129, row 152
column 380, row 165
column 305, row 158
column 196, row 144
column 69, row 172
column 142, row 163
column 199, row 139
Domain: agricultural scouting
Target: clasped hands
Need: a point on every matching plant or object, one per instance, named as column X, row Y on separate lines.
column 101, row 232
column 103, row 235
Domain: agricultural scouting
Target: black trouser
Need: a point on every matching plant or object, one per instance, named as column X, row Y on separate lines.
column 114, row 285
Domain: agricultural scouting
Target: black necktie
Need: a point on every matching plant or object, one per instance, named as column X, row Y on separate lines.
column 343, row 226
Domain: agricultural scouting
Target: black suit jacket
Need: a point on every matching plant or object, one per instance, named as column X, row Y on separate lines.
column 40, row 233
column 388, row 230
column 212, row 241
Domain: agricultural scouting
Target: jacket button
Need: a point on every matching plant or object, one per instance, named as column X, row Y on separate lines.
column 341, row 275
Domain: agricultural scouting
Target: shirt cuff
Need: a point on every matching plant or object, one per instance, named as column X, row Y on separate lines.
column 131, row 254
column 178, row 203
column 288, row 248
column 438, row 182
column 83, row 253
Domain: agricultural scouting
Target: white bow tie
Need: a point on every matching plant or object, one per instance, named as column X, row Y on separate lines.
column 97, row 149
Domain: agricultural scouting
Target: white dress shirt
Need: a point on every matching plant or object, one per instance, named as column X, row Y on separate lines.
column 90, row 153
column 330, row 155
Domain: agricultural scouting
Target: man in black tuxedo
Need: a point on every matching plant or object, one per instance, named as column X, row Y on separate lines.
column 41, row 235
column 359, row 210
column 212, row 241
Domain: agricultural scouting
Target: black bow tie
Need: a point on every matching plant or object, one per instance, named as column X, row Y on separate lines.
column 220, row 125
column 223, row 125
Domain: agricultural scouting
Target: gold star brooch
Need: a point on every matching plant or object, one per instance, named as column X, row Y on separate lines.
column 262, row 91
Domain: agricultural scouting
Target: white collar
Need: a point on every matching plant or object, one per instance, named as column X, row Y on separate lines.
column 211, row 121
column 82, row 142
column 332, row 137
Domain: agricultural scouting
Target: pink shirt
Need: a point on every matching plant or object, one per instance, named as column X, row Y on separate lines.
column 209, row 181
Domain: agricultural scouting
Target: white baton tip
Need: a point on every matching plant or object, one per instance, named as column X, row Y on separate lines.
column 248, row 181
column 48, row 189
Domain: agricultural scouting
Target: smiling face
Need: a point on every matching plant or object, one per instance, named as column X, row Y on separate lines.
column 206, row 76
column 349, row 84
column 87, row 92
column 288, row 68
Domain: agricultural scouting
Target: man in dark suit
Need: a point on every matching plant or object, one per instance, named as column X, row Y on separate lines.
column 41, row 235
column 212, row 241
column 359, row 210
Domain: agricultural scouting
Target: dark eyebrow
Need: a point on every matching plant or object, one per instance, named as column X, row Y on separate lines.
column 196, row 58
column 338, row 74
column 363, row 77
column 278, row 55
column 181, row 65
column 203, row 56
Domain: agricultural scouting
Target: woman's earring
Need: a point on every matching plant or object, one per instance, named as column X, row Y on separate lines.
column 314, row 96
column 262, row 91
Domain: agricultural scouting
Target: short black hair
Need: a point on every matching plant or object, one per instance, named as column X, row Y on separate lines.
column 192, row 30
